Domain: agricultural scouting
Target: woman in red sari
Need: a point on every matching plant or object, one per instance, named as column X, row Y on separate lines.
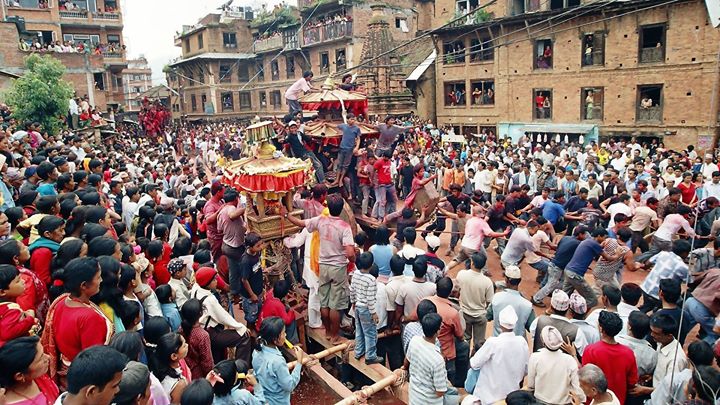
column 73, row 322
column 24, row 373
column 35, row 297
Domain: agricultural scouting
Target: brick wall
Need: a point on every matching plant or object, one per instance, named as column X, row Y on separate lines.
column 688, row 75
column 79, row 68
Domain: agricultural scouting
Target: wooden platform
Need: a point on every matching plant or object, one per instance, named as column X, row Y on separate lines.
column 375, row 372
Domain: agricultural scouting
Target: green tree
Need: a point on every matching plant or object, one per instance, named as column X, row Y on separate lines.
column 40, row 94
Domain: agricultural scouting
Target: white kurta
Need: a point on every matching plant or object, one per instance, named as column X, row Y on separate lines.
column 503, row 363
column 311, row 279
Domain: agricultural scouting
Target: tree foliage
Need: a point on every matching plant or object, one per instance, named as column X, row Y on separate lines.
column 40, row 94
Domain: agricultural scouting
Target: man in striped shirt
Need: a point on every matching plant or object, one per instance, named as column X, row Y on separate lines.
column 363, row 294
column 428, row 377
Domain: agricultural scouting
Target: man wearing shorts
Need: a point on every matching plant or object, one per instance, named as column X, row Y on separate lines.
column 300, row 87
column 336, row 248
column 349, row 142
column 476, row 229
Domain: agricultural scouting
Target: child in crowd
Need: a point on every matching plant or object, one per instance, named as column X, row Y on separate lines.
column 158, row 252
column 363, row 295
column 199, row 358
column 165, row 364
column 231, row 390
column 14, row 322
column 129, row 281
column 166, row 296
column 250, row 283
column 274, row 305
column 178, row 271
column 270, row 366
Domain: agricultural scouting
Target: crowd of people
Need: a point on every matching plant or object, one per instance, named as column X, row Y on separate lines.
column 128, row 273
column 34, row 45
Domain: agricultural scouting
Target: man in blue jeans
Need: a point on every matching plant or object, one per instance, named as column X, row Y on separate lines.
column 704, row 305
column 349, row 142
column 587, row 251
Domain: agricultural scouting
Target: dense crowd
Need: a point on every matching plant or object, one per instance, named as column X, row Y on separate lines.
column 128, row 274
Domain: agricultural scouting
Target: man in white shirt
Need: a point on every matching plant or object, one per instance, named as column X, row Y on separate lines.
column 671, row 357
column 483, row 180
column 709, row 167
column 711, row 188
column 620, row 207
column 501, row 362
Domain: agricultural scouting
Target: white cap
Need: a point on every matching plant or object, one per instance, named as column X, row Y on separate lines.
column 291, row 123
column 508, row 318
column 433, row 241
column 513, row 272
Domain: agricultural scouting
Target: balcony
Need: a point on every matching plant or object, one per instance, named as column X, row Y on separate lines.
column 82, row 14
column 269, row 44
column 329, row 32
column 650, row 114
column 652, row 55
column 106, row 16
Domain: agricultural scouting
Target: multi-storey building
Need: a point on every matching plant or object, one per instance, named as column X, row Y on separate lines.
column 137, row 79
column 236, row 64
column 97, row 24
column 608, row 68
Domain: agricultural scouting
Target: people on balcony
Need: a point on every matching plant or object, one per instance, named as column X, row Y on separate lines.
column 335, row 27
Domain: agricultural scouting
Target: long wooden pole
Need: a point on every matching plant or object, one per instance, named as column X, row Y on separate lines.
column 367, row 392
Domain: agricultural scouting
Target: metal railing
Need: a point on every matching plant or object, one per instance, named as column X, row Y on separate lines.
column 73, row 14
column 113, row 55
column 653, row 113
column 106, row 16
column 652, row 55
column 329, row 32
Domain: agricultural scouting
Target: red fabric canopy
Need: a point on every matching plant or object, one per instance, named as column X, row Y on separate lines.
column 259, row 183
column 357, row 107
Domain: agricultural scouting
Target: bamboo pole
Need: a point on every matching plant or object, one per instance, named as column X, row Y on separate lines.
column 367, row 392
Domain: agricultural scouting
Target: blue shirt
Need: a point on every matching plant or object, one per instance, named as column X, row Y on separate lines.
column 172, row 315
column 7, row 197
column 584, row 255
column 349, row 135
column 241, row 396
column 272, row 372
column 46, row 189
column 574, row 203
column 381, row 257
column 565, row 250
column 553, row 211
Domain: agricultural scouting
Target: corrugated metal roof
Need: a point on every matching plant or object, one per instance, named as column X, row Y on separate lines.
column 215, row 56
column 422, row 67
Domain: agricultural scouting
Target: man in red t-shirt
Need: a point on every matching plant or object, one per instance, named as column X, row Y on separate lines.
column 617, row 361
column 211, row 210
column 385, row 190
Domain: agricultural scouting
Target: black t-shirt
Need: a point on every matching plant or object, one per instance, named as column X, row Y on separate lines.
column 407, row 175
column 496, row 219
column 251, row 271
column 522, row 202
column 510, row 205
column 455, row 201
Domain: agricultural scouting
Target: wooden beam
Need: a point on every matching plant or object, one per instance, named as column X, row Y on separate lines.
column 322, row 377
column 375, row 372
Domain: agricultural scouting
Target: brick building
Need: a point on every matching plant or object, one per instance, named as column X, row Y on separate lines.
column 137, row 79
column 644, row 68
column 237, row 64
column 97, row 24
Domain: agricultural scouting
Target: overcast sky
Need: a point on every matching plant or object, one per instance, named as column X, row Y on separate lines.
column 150, row 26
